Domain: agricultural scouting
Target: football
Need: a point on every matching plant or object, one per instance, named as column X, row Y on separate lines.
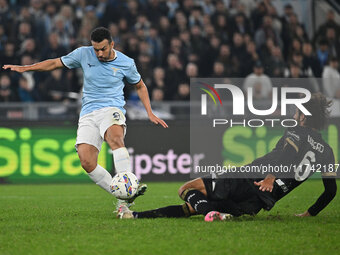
column 124, row 185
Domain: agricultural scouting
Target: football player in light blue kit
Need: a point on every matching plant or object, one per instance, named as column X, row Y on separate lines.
column 102, row 116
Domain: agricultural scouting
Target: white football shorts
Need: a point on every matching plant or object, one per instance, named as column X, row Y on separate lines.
column 92, row 126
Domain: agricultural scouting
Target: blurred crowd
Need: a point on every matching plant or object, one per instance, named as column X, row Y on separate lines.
column 171, row 42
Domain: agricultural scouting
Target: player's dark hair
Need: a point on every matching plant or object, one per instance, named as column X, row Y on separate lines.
column 101, row 33
column 318, row 106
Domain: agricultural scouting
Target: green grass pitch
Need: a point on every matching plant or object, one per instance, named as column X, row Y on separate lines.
column 78, row 219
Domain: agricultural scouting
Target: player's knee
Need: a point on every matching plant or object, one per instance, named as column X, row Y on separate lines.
column 180, row 191
column 183, row 190
column 87, row 164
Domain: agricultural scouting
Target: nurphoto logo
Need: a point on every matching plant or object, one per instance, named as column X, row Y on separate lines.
column 238, row 104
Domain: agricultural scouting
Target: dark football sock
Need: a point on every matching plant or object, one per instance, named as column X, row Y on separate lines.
column 173, row 211
column 198, row 201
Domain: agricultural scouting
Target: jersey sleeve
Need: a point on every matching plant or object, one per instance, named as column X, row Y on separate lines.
column 329, row 182
column 73, row 59
column 325, row 198
column 132, row 76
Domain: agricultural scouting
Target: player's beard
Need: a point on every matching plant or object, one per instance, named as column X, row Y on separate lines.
column 102, row 59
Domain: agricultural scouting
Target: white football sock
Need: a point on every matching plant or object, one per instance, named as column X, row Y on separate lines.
column 101, row 177
column 121, row 159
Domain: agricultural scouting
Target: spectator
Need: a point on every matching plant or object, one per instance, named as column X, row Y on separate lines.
column 90, row 20
column 26, row 89
column 48, row 17
column 6, row 18
column 231, row 64
column 209, row 56
column 295, row 46
column 187, row 6
column 297, row 59
column 295, row 72
column 240, row 25
column 329, row 23
column 158, row 79
column 239, row 50
column 8, row 55
column 36, row 11
column 172, row 5
column 333, row 42
column 267, row 31
column 145, row 67
column 24, row 32
column 191, row 70
column 310, row 62
column 55, row 87
column 157, row 95
column 156, row 46
column 173, row 76
column 66, row 39
column 277, row 25
column 322, row 52
column 257, row 15
column 165, row 31
column 208, row 7
column 183, row 93
column 131, row 13
column 3, row 37
column 132, row 49
column 222, row 29
column 275, row 65
column 28, row 48
column 198, row 42
column 7, row 94
column 250, row 59
column 259, row 82
column 331, row 79
column 155, row 9
column 143, row 23
column 53, row 49
column 82, row 39
column 186, row 42
column 300, row 34
column 181, row 22
column 196, row 18
column 218, row 70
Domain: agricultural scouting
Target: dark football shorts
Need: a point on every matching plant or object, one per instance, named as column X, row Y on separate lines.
column 221, row 191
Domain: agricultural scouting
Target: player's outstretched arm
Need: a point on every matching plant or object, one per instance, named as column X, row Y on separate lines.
column 143, row 94
column 325, row 198
column 47, row 65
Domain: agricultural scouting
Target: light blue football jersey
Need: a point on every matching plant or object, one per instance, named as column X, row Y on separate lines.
column 103, row 81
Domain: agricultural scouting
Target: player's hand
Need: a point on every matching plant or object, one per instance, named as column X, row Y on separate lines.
column 16, row 68
column 267, row 184
column 305, row 214
column 154, row 119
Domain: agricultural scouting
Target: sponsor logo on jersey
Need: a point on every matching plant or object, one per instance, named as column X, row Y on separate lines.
column 116, row 116
column 293, row 135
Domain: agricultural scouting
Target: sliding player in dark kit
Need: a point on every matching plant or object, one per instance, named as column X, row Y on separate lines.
column 220, row 199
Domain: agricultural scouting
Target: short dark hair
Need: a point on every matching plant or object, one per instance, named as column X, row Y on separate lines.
column 333, row 59
column 318, row 106
column 101, row 33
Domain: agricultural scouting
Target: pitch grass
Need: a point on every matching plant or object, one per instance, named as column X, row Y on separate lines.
column 78, row 219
